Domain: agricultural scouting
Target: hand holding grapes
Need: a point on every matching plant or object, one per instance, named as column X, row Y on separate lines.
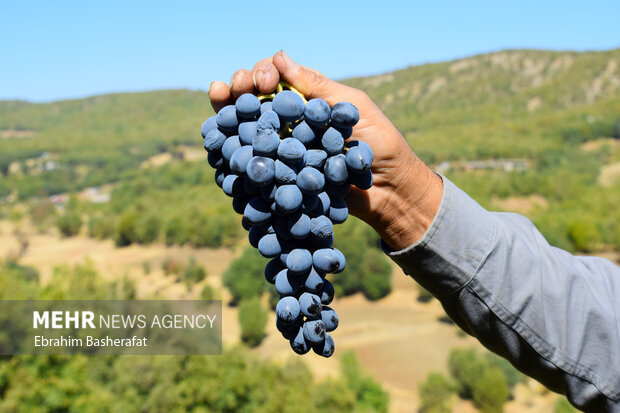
column 405, row 195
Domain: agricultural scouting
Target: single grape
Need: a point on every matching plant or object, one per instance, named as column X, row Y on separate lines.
column 291, row 151
column 227, row 118
column 314, row 331
column 245, row 224
column 299, row 261
column 304, row 133
column 269, row 120
column 239, row 203
column 345, row 115
column 337, row 190
column 285, row 174
column 359, row 157
column 288, row 198
column 230, row 146
column 208, row 125
column 288, row 105
column 345, row 132
column 265, row 107
column 315, row 158
column 269, row 246
column 338, row 211
column 288, row 309
column 313, row 282
column 266, row 143
column 321, row 227
column 310, row 305
column 299, row 226
column 272, row 269
column 255, row 233
column 261, row 170
column 240, row 159
column 317, row 112
column 332, row 141
column 330, row 318
column 280, row 225
column 219, row 177
column 214, row 140
column 233, row 185
column 342, row 262
column 257, row 211
column 287, row 284
column 309, row 203
column 247, row 106
column 288, row 331
column 322, row 207
column 268, row 192
column 327, row 295
column 336, row 169
column 326, row 260
column 362, row 181
column 310, row 180
column 298, row 342
column 325, row 348
column 215, row 159
column 247, row 132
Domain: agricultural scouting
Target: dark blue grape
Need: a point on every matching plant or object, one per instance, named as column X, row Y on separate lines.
column 304, row 133
column 249, row 187
column 288, row 105
column 247, row 132
column 330, row 318
column 299, row 261
column 336, row 169
column 338, row 211
column 322, row 243
column 313, row 282
column 233, row 185
column 239, row 203
column 326, row 260
column 325, row 348
column 214, row 140
column 288, row 310
column 272, row 269
column 332, row 141
column 321, row 227
column 247, row 106
column 310, row 180
column 268, row 121
column 261, row 170
column 327, row 296
column 314, row 331
column 219, row 177
column 315, row 158
column 240, row 158
column 310, row 305
column 245, row 224
column 268, row 192
column 345, row 132
column 255, row 233
column 291, row 151
column 257, row 211
column 298, row 342
column 362, row 181
column 337, row 190
column 227, row 118
column 266, row 143
column 286, row 283
column 280, row 225
column 230, row 146
column 289, row 331
column 288, row 198
column 299, row 226
column 342, row 262
column 285, row 174
column 269, row 246
column 309, row 203
column 265, row 107
column 345, row 115
column 215, row 159
column 208, row 125
column 322, row 207
column 317, row 112
column 359, row 157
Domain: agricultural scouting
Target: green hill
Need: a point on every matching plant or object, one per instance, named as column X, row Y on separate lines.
column 534, row 108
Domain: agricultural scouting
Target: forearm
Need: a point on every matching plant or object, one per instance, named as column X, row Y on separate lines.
column 553, row 315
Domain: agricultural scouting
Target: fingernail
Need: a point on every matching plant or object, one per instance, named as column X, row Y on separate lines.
column 258, row 78
column 286, row 58
column 232, row 81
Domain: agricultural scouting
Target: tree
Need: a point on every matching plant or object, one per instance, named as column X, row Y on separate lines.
column 252, row 319
column 244, row 278
column 435, row 394
column 490, row 391
column 69, row 223
column 465, row 366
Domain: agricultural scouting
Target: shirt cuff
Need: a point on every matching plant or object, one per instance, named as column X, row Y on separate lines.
column 453, row 247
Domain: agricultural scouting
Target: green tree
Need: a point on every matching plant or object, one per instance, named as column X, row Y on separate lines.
column 69, row 223
column 194, row 273
column 465, row 366
column 436, row 394
column 126, row 233
column 252, row 320
column 244, row 278
column 490, row 391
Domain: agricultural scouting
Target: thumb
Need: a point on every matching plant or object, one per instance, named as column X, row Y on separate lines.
column 311, row 83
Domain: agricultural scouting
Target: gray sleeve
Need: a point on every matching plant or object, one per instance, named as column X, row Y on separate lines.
column 554, row 316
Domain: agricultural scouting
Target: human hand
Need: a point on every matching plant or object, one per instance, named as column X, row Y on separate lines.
column 405, row 195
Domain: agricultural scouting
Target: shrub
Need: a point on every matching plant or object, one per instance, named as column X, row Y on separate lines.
column 244, row 278
column 126, row 232
column 252, row 320
column 435, row 394
column 367, row 391
column 490, row 391
column 69, row 224
column 194, row 273
column 465, row 366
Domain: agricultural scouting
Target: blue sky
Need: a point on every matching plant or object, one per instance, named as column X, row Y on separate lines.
column 68, row 49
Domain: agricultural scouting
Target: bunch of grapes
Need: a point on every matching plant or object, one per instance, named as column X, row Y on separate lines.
column 285, row 163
